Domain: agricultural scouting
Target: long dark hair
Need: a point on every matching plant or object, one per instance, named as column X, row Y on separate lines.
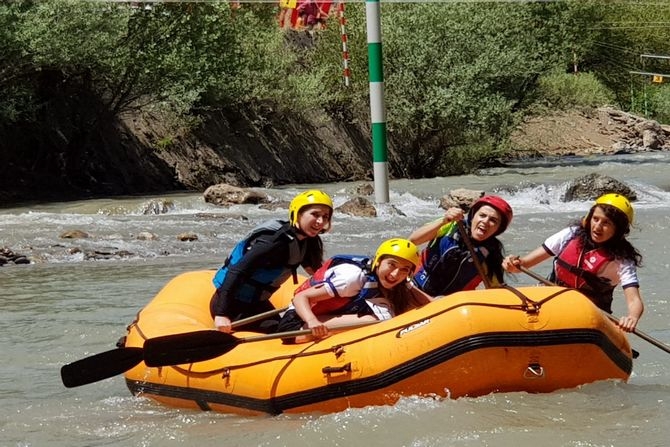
column 313, row 252
column 495, row 257
column 400, row 297
column 617, row 245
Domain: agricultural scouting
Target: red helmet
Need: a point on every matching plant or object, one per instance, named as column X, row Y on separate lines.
column 500, row 205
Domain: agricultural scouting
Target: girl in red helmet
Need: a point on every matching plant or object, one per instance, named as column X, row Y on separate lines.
column 446, row 263
column 594, row 256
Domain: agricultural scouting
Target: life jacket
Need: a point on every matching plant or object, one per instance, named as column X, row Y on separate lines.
column 332, row 305
column 263, row 282
column 578, row 268
column 446, row 265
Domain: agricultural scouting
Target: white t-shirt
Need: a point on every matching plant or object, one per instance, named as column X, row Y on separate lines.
column 348, row 280
column 617, row 271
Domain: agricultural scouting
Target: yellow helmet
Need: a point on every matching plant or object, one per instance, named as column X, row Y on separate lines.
column 311, row 197
column 401, row 248
column 619, row 202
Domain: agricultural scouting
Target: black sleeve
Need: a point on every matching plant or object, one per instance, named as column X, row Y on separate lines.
column 265, row 251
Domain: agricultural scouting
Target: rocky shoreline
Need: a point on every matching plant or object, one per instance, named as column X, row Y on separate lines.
column 601, row 131
column 359, row 204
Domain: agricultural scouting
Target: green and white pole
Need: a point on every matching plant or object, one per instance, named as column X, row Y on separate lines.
column 377, row 107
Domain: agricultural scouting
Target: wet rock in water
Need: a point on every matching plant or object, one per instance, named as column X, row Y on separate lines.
column 187, row 237
column 146, row 236
column 358, row 206
column 594, row 185
column 223, row 194
column 102, row 255
column 461, row 197
column 221, row 216
column 160, row 206
column 364, row 189
column 8, row 256
column 74, row 234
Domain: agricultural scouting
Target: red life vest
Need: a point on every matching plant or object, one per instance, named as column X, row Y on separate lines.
column 332, row 305
column 577, row 268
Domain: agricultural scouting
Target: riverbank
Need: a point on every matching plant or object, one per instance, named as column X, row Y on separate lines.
column 586, row 132
column 258, row 147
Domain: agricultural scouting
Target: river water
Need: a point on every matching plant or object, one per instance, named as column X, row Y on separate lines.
column 65, row 307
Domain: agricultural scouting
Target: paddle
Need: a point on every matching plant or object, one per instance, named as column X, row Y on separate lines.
column 639, row 333
column 117, row 361
column 192, row 347
column 473, row 254
column 100, row 366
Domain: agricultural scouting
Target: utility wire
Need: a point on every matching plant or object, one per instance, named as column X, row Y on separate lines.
column 633, row 27
column 611, row 46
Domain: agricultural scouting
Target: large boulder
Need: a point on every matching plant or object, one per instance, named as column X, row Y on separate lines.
column 223, row 194
column 592, row 186
column 463, row 198
column 358, row 206
column 652, row 134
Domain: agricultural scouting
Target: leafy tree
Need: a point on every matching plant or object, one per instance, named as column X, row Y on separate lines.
column 15, row 85
column 618, row 36
column 126, row 57
column 455, row 73
column 458, row 76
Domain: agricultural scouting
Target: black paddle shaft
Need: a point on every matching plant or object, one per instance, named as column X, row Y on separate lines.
column 192, row 347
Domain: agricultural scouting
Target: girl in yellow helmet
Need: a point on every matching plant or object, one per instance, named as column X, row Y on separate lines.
column 267, row 257
column 594, row 256
column 349, row 289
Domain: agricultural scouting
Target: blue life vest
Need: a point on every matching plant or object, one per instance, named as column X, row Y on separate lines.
column 333, row 305
column 446, row 264
column 263, row 282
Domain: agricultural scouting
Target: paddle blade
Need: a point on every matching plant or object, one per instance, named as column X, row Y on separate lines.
column 100, row 366
column 190, row 347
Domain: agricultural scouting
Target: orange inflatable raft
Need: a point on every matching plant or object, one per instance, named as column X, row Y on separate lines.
column 533, row 339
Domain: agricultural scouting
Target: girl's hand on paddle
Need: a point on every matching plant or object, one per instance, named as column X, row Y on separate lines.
column 223, row 324
column 628, row 323
column 452, row 214
column 512, row 263
column 319, row 330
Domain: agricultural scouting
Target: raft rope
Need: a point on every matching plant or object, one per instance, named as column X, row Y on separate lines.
column 527, row 305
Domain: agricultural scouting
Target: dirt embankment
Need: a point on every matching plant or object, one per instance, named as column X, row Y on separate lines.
column 72, row 158
column 589, row 132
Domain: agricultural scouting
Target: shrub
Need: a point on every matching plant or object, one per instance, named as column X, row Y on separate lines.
column 659, row 103
column 567, row 90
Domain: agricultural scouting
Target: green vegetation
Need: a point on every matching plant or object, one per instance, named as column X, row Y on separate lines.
column 565, row 91
column 458, row 76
